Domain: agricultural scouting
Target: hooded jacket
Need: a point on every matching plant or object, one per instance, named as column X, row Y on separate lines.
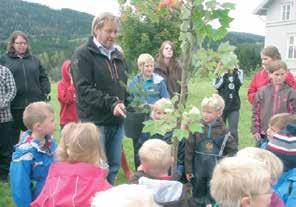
column 261, row 79
column 29, row 168
column 67, row 96
column 71, row 184
column 30, row 77
column 100, row 84
column 215, row 131
column 271, row 100
column 167, row 193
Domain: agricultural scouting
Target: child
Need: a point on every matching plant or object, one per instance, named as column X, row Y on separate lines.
column 276, row 97
column 7, row 93
column 268, row 55
column 159, row 110
column 203, row 149
column 156, row 160
column 67, row 96
column 228, row 87
column 241, row 182
column 80, row 171
column 145, row 89
column 272, row 163
column 33, row 154
column 151, row 85
column 125, row 196
column 283, row 145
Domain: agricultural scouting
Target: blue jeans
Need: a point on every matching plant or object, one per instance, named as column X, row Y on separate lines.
column 111, row 139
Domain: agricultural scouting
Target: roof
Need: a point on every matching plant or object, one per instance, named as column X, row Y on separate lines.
column 263, row 7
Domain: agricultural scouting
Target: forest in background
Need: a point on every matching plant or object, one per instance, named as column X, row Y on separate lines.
column 54, row 34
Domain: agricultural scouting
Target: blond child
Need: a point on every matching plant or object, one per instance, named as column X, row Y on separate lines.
column 156, row 160
column 147, row 87
column 203, row 149
column 272, row 163
column 241, row 182
column 276, row 97
column 80, row 171
column 278, row 122
column 33, row 154
column 125, row 196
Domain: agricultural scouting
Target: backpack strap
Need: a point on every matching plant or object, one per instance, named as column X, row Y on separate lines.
column 226, row 137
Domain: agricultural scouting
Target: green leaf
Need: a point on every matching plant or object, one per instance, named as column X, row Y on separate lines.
column 180, row 134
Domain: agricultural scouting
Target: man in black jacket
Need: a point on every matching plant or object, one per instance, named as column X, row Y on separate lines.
column 100, row 75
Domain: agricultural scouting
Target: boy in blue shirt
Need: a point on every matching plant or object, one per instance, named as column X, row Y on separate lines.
column 33, row 154
column 152, row 86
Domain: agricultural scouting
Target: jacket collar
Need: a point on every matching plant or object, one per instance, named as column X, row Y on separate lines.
column 115, row 54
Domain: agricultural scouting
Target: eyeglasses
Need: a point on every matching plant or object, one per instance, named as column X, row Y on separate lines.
column 20, row 43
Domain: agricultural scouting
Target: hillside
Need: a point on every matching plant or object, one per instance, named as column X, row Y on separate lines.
column 48, row 28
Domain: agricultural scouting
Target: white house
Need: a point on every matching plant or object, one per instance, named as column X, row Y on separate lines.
column 280, row 27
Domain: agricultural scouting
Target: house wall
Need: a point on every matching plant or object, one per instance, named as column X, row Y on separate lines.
column 278, row 31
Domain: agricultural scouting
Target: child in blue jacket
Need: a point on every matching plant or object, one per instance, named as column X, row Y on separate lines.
column 33, row 154
column 147, row 86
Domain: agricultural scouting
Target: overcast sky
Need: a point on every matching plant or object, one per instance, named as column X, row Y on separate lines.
column 244, row 20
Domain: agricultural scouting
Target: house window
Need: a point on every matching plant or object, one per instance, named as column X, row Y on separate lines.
column 292, row 47
column 286, row 11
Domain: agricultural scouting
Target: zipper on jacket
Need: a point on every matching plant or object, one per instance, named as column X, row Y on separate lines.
column 26, row 83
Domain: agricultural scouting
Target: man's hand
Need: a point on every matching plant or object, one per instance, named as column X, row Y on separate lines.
column 189, row 176
column 119, row 110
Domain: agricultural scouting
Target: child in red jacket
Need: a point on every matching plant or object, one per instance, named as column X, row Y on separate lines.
column 80, row 171
column 66, row 96
column 268, row 55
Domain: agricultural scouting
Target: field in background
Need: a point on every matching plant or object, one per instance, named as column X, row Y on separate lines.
column 198, row 88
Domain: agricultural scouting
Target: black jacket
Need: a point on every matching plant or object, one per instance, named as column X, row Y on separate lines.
column 100, row 83
column 31, row 80
column 228, row 87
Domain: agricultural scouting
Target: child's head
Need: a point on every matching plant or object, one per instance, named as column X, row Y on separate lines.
column 146, row 65
column 277, row 72
column 241, row 182
column 39, row 118
column 278, row 122
column 272, row 163
column 80, row 142
column 269, row 54
column 156, row 157
column 125, row 196
column 160, row 108
column 212, row 108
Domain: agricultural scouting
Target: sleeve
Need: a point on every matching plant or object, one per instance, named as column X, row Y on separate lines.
column 252, row 90
column 218, row 82
column 230, row 147
column 11, row 89
column 256, row 110
column 240, row 74
column 290, row 80
column 20, row 182
column 292, row 102
column 163, row 90
column 43, row 79
column 189, row 152
column 66, row 94
column 85, row 87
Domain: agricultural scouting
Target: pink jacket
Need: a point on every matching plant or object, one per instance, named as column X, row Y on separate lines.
column 71, row 185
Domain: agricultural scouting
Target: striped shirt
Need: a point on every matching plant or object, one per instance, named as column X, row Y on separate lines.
column 7, row 93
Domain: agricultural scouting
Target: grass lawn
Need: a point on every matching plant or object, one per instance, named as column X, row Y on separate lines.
column 199, row 88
